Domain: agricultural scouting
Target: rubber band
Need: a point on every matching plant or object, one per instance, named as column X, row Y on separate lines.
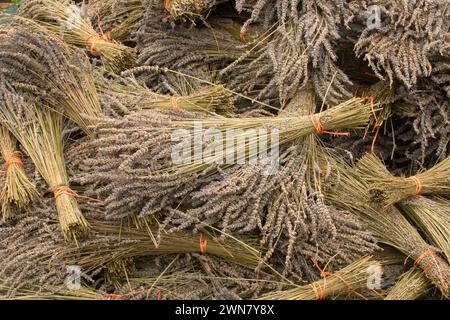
column 175, row 100
column 418, row 261
column 377, row 124
column 16, row 158
column 318, row 126
column 418, row 185
column 320, row 295
column 320, row 291
column 242, row 36
column 167, row 6
column 94, row 39
column 203, row 243
column 64, row 189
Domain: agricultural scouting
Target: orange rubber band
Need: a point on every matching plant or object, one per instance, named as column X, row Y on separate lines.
column 318, row 126
column 377, row 124
column 60, row 190
column 113, row 296
column 167, row 5
column 203, row 243
column 175, row 100
column 242, row 36
column 428, row 252
column 320, row 291
column 94, row 39
column 418, row 185
column 16, row 158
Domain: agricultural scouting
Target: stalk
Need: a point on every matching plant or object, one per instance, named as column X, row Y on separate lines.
column 116, row 246
column 388, row 225
column 39, row 132
column 138, row 97
column 388, row 189
column 35, row 61
column 412, row 285
column 345, row 282
column 63, row 19
column 432, row 216
column 18, row 191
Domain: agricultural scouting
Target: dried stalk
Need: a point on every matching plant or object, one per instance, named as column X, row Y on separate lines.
column 117, row 245
column 389, row 190
column 36, row 61
column 39, row 132
column 352, row 114
column 411, row 286
column 18, row 191
column 63, row 19
column 344, row 283
column 388, row 225
column 138, row 97
column 118, row 18
column 190, row 10
column 432, row 216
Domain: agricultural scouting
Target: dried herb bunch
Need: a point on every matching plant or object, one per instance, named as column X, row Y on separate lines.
column 119, row 18
column 67, row 21
column 190, row 10
column 113, row 244
column 344, row 283
column 433, row 218
column 35, row 61
column 431, row 215
column 199, row 276
column 286, row 207
column 408, row 34
column 134, row 154
column 192, row 50
column 388, row 189
column 412, row 285
column 388, row 225
column 39, row 131
column 312, row 29
column 25, row 242
column 414, row 135
column 132, row 96
column 18, row 190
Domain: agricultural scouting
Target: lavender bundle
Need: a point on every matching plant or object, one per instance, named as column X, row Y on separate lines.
column 388, row 189
column 134, row 154
column 432, row 216
column 412, row 285
column 194, row 51
column 119, row 18
column 115, row 243
column 35, row 61
column 344, row 283
column 388, row 225
column 39, row 131
column 66, row 20
column 400, row 47
column 190, row 10
column 133, row 96
column 18, row 191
